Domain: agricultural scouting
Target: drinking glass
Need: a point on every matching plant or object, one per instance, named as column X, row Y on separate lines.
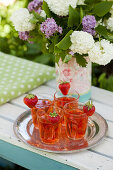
column 41, row 102
column 49, row 129
column 60, row 100
column 76, row 121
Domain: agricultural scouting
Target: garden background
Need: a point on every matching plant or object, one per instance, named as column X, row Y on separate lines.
column 102, row 76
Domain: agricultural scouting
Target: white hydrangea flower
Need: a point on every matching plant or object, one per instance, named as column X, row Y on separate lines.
column 101, row 53
column 43, row 14
column 82, row 42
column 81, row 2
column 109, row 23
column 61, row 7
column 21, row 20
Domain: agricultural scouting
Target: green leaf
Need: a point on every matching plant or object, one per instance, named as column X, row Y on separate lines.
column 46, row 9
column 44, row 59
column 34, row 20
column 110, row 36
column 102, row 76
column 33, row 49
column 57, row 58
column 81, row 14
column 80, row 60
column 67, row 58
column 91, row 1
column 101, row 30
column 102, row 8
column 65, row 43
column 38, row 17
column 73, row 19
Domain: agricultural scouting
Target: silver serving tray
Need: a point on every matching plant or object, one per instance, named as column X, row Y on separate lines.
column 25, row 131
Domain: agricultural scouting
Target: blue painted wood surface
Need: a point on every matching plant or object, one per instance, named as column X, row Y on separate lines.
column 29, row 160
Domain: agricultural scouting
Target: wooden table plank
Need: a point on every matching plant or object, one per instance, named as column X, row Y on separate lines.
column 105, row 148
column 110, row 130
column 51, row 83
column 102, row 96
column 104, row 110
column 10, row 112
column 19, row 102
column 44, row 91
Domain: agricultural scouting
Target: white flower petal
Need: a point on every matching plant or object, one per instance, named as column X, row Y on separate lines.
column 82, row 42
column 21, row 20
column 61, row 7
column 101, row 53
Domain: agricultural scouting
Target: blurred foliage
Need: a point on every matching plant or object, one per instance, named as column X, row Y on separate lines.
column 102, row 76
column 11, row 44
column 106, row 83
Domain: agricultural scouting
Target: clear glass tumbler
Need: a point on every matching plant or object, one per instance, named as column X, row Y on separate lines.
column 76, row 121
column 41, row 102
column 49, row 127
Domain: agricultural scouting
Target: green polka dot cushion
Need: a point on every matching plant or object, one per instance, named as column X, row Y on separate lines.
column 18, row 76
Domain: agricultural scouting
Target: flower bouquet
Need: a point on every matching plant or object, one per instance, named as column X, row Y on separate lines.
column 77, row 32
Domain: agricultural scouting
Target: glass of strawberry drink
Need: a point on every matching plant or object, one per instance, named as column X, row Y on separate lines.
column 41, row 103
column 76, row 121
column 60, row 100
column 49, row 121
column 34, row 103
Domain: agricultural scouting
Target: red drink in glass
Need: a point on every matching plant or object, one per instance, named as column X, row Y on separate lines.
column 76, row 121
column 60, row 100
column 40, row 103
column 49, row 131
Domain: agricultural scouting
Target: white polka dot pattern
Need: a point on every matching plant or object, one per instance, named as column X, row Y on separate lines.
column 18, row 76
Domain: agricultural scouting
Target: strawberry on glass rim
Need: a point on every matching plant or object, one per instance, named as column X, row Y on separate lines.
column 89, row 108
column 64, row 87
column 30, row 100
column 53, row 117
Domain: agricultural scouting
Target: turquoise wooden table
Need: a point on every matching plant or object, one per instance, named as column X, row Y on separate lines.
column 12, row 149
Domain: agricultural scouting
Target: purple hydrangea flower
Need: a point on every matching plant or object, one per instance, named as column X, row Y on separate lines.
column 35, row 5
column 90, row 31
column 89, row 23
column 31, row 6
column 24, row 35
column 49, row 27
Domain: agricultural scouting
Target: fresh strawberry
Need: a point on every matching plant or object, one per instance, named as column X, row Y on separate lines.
column 64, row 87
column 89, row 108
column 53, row 117
column 30, row 100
